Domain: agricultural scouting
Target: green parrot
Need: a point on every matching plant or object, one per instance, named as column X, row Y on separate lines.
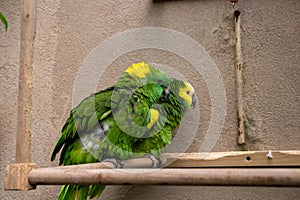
column 181, row 97
column 105, row 125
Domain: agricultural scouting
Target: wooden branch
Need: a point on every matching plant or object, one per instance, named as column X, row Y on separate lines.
column 28, row 21
column 204, row 176
column 239, row 79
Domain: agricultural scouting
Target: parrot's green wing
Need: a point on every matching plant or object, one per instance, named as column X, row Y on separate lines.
column 92, row 133
column 141, row 80
column 180, row 99
column 84, row 117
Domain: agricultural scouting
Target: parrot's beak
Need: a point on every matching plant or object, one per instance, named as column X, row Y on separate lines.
column 194, row 101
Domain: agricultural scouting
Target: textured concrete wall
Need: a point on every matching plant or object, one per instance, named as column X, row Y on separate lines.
column 67, row 31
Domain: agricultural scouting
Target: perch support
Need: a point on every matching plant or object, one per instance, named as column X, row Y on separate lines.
column 28, row 21
column 17, row 174
column 16, row 177
column 239, row 79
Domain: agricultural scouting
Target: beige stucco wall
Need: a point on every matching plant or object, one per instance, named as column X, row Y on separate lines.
column 67, row 31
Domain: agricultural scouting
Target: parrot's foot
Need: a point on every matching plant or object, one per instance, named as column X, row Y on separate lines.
column 118, row 163
column 156, row 162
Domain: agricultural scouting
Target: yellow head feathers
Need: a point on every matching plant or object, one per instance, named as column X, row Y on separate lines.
column 139, row 69
column 187, row 93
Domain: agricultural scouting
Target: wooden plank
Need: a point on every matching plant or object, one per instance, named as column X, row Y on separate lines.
column 16, row 176
column 234, row 159
column 28, row 22
column 212, row 159
column 202, row 176
column 130, row 163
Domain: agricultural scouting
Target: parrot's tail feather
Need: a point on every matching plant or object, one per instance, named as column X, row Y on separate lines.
column 67, row 192
column 68, row 130
column 96, row 190
column 80, row 192
column 83, row 192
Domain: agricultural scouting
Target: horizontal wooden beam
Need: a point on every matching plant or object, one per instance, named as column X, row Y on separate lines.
column 19, row 175
column 202, row 176
column 234, row 159
column 16, row 177
column 197, row 174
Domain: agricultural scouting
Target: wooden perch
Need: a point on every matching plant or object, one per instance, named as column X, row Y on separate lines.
column 204, row 176
column 18, row 176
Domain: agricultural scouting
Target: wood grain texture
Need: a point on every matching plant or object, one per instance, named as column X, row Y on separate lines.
column 16, row 177
column 234, row 159
column 215, row 168
column 203, row 176
column 28, row 28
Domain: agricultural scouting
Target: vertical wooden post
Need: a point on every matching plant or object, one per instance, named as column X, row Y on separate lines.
column 28, row 22
column 16, row 177
column 239, row 79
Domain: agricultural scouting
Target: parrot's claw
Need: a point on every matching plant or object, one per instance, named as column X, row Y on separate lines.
column 121, row 163
column 156, row 162
column 118, row 163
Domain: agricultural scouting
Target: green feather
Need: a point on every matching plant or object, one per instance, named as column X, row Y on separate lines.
column 95, row 191
column 4, row 21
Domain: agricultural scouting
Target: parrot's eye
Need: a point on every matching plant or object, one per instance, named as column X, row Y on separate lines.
column 188, row 92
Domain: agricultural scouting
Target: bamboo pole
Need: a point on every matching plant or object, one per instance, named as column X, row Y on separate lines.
column 28, row 22
column 204, row 176
column 239, row 79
